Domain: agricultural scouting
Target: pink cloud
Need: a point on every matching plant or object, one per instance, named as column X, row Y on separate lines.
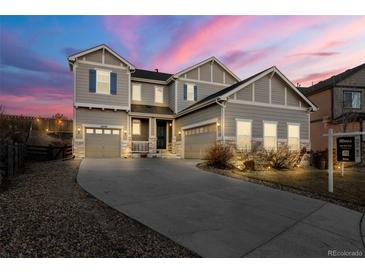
column 316, row 77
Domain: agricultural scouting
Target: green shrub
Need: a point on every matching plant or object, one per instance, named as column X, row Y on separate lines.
column 219, row 156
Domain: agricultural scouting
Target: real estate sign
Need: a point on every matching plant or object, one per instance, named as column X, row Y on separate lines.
column 348, row 149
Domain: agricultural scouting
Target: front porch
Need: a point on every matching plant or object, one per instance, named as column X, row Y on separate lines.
column 151, row 137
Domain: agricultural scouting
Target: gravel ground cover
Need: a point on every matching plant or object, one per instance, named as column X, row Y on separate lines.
column 44, row 213
column 349, row 191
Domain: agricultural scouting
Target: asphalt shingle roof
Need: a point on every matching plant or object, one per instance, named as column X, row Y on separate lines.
column 325, row 84
column 150, row 74
column 151, row 109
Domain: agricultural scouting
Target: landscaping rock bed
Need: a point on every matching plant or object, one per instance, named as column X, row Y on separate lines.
column 44, row 213
column 286, row 184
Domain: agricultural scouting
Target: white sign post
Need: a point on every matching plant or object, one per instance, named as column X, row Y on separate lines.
column 330, row 152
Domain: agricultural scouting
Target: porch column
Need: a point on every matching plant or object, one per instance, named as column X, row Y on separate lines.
column 152, row 135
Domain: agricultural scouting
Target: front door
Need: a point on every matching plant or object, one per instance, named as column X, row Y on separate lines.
column 161, row 134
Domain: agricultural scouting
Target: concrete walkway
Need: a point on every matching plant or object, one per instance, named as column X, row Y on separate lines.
column 217, row 216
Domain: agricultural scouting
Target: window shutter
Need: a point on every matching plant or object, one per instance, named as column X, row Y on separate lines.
column 185, row 92
column 92, row 80
column 113, row 83
column 195, row 93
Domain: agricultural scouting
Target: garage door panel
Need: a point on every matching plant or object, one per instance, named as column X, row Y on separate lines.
column 198, row 140
column 102, row 145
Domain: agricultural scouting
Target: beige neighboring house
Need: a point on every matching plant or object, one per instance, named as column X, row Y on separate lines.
column 341, row 103
column 122, row 111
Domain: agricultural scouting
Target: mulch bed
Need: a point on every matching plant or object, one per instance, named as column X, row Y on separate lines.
column 349, row 197
column 44, row 213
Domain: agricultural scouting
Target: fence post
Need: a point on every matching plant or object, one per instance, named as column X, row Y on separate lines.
column 10, row 163
column 330, row 160
column 16, row 158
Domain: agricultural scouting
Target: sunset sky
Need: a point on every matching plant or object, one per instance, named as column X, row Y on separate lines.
column 35, row 78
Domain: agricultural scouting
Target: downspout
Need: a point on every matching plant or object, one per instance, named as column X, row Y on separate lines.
column 223, row 107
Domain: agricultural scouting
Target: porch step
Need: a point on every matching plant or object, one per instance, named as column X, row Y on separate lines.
column 169, row 156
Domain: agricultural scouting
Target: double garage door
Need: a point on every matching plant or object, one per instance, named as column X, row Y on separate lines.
column 102, row 143
column 198, row 140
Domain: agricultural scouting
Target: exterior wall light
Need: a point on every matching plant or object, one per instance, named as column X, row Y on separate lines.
column 218, row 124
column 47, row 129
column 179, row 132
column 78, row 130
column 170, row 125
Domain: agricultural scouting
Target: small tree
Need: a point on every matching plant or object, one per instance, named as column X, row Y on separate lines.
column 219, row 156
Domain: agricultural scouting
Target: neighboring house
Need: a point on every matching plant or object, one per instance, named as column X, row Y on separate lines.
column 120, row 110
column 341, row 103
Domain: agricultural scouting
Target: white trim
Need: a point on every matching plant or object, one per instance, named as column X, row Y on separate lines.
column 270, row 90
column 246, row 121
column 244, row 102
column 204, row 62
column 136, row 121
column 158, row 89
column 100, row 64
column 73, row 57
column 204, row 82
column 235, row 96
column 74, row 71
column 224, row 77
column 84, row 126
column 149, row 127
column 223, row 119
column 137, row 79
column 266, row 72
column 263, row 132
column 103, row 56
column 176, row 83
column 98, row 72
column 287, row 132
column 206, row 122
column 113, row 107
column 141, row 114
column 211, row 71
column 140, row 92
column 309, row 130
column 253, row 92
column 198, row 73
column 130, row 90
column 173, row 130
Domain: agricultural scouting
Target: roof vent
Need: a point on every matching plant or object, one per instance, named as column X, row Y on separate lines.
column 156, row 70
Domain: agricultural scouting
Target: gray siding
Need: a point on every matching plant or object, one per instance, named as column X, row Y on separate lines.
column 204, row 89
column 245, row 93
column 205, row 72
column 148, row 95
column 171, row 91
column 258, row 114
column 277, row 91
column 95, row 56
column 210, row 112
column 110, row 59
column 230, row 80
column 357, row 79
column 82, row 87
column 293, row 99
column 99, row 117
column 262, row 90
column 217, row 73
column 193, row 74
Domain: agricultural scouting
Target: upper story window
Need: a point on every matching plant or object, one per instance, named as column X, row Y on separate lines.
column 270, row 135
column 136, row 92
column 352, row 99
column 159, row 95
column 190, row 92
column 244, row 131
column 102, row 82
column 294, row 137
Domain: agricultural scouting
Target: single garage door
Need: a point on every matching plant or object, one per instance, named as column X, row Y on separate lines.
column 102, row 143
column 198, row 140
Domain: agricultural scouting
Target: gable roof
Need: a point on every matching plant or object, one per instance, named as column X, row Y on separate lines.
column 152, row 75
column 330, row 82
column 228, row 91
column 72, row 58
column 210, row 59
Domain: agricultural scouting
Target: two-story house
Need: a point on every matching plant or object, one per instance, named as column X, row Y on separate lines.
column 341, row 103
column 121, row 110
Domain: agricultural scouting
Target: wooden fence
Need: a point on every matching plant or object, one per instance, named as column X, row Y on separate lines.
column 12, row 159
column 47, row 153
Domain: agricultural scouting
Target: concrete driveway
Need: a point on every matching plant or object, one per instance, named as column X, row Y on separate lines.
column 217, row 216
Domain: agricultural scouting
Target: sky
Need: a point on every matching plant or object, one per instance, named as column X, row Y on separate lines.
column 35, row 77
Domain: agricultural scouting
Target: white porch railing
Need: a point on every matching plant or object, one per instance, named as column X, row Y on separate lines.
column 140, row 146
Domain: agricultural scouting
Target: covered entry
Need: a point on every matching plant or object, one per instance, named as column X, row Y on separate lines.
column 102, row 143
column 197, row 140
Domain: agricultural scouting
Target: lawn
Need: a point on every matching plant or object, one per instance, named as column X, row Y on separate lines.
column 349, row 190
column 44, row 213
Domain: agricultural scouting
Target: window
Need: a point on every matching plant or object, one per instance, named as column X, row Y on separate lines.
column 159, row 95
column 102, row 82
column 115, row 132
column 293, row 136
column 190, row 92
column 136, row 127
column 136, row 92
column 107, row 131
column 270, row 135
column 243, row 134
column 352, row 99
column 98, row 131
column 89, row 131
